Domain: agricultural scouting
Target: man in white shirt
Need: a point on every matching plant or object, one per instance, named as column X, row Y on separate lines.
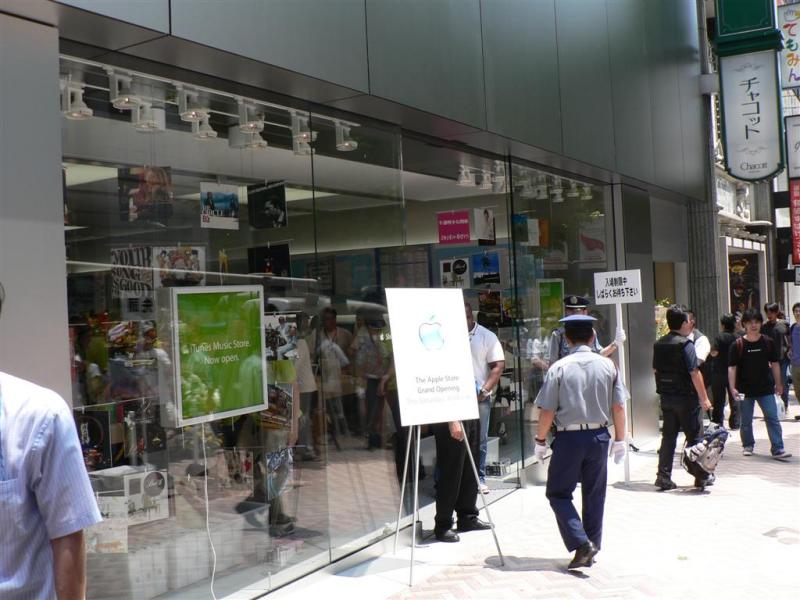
column 702, row 346
column 488, row 362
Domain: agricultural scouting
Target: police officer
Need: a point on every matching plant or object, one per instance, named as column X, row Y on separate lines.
column 581, row 393
column 679, row 384
column 578, row 305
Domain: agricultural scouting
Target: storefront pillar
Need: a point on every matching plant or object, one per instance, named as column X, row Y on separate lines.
column 33, row 340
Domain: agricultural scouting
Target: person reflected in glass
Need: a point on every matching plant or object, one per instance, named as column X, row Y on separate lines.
column 329, row 345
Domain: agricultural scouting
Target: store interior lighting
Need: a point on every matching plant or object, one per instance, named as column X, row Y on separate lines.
column 149, row 119
column 556, row 190
column 189, row 107
column 486, row 180
column 465, row 177
column 499, row 177
column 202, row 130
column 250, row 120
column 573, row 191
column 301, row 132
column 245, row 139
column 541, row 187
column 72, row 105
column 586, row 192
column 344, row 142
column 121, row 91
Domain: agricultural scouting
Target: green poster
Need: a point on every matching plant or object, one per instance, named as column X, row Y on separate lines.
column 219, row 343
column 551, row 302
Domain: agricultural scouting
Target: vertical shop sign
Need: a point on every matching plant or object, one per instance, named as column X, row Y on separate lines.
column 453, row 227
column 794, row 214
column 792, row 127
column 751, row 109
column 789, row 26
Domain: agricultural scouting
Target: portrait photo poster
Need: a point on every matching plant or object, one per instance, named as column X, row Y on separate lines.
column 219, row 206
column 145, row 194
column 484, row 226
column 266, row 205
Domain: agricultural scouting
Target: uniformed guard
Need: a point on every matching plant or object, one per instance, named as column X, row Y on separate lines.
column 581, row 393
column 578, row 305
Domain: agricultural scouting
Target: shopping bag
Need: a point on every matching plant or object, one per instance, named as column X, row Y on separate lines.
column 780, row 407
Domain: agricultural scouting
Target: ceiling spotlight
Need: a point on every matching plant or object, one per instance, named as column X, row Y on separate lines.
column 301, row 132
column 149, row 118
column 586, row 192
column 244, row 139
column 344, row 142
column 541, row 187
column 301, row 148
column 72, row 105
column 527, row 191
column 486, row 180
column 254, row 141
column 465, row 177
column 250, row 121
column 556, row 190
column 202, row 130
column 573, row 191
column 121, row 92
column 189, row 107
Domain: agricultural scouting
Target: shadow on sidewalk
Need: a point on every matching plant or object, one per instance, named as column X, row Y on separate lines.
column 647, row 486
column 522, row 563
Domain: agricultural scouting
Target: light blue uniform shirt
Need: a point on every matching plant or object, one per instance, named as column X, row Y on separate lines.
column 582, row 387
column 44, row 488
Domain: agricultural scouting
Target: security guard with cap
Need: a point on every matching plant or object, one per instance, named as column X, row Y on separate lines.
column 578, row 305
column 581, row 394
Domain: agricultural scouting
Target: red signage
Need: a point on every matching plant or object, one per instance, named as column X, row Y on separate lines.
column 453, row 227
column 794, row 212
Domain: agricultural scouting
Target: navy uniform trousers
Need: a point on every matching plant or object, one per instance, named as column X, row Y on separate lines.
column 579, row 457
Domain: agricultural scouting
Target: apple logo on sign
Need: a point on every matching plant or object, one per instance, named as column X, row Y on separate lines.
column 430, row 334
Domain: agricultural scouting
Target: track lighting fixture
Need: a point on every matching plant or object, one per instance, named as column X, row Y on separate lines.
column 486, row 180
column 121, row 91
column 556, row 190
column 527, row 190
column 189, row 107
column 344, row 143
column 202, row 130
column 573, row 191
column 72, row 105
column 465, row 177
column 244, row 139
column 541, row 187
column 250, row 120
column 586, row 192
column 149, row 118
column 499, row 177
column 301, row 132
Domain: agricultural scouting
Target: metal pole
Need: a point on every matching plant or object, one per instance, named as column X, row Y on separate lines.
column 403, row 487
column 483, row 497
column 416, row 510
column 621, row 329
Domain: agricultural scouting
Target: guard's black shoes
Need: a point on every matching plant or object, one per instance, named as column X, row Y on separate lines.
column 665, row 483
column 472, row 525
column 584, row 556
column 448, row 536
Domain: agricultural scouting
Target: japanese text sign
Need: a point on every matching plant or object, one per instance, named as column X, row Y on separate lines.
column 453, row 227
column 430, row 344
column 750, row 105
column 794, row 216
column 792, row 127
column 618, row 287
column 789, row 25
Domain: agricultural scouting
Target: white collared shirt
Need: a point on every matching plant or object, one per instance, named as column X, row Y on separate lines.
column 485, row 349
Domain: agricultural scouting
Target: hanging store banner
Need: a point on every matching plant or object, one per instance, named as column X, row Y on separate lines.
column 794, row 215
column 789, row 25
column 430, row 343
column 792, row 127
column 751, row 115
column 453, row 227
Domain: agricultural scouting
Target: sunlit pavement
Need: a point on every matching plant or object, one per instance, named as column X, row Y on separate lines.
column 738, row 539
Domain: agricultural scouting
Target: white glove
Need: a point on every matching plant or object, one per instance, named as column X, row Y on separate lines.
column 618, row 451
column 620, row 338
column 539, row 450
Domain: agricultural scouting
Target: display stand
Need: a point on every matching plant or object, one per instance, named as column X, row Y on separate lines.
column 416, row 430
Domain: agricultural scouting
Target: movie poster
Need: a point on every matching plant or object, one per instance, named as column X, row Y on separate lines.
column 455, row 273
column 145, row 194
column 177, row 266
column 266, row 205
column 485, row 269
column 744, row 282
column 270, row 260
column 219, row 206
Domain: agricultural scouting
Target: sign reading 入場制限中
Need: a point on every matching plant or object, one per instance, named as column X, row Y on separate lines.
column 618, row 287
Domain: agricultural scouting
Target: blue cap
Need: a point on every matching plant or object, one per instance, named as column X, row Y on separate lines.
column 577, row 319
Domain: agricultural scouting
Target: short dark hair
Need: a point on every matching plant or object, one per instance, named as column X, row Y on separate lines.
column 328, row 310
column 676, row 317
column 728, row 322
column 752, row 314
column 579, row 332
column 795, row 306
column 772, row 307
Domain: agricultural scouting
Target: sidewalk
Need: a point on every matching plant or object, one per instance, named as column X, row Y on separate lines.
column 739, row 539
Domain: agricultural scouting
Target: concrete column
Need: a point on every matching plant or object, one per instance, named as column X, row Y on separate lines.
column 33, row 327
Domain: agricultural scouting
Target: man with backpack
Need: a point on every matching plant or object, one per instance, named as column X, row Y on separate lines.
column 778, row 330
column 754, row 372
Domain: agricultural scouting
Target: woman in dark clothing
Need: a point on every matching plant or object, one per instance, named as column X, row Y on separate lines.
column 719, row 373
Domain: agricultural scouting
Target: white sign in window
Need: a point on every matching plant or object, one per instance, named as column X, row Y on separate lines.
column 430, row 343
column 750, row 106
column 792, row 125
column 618, row 287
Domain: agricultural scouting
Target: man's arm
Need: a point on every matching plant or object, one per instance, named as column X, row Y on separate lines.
column 700, row 387
column 776, row 375
column 69, row 566
column 609, row 350
column 545, row 422
column 494, row 375
column 732, row 382
column 618, row 416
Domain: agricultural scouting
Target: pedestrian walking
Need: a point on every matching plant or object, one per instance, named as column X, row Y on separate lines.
column 794, row 351
column 682, row 392
column 778, row 329
column 581, row 394
column 754, row 372
column 46, row 500
column 720, row 350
